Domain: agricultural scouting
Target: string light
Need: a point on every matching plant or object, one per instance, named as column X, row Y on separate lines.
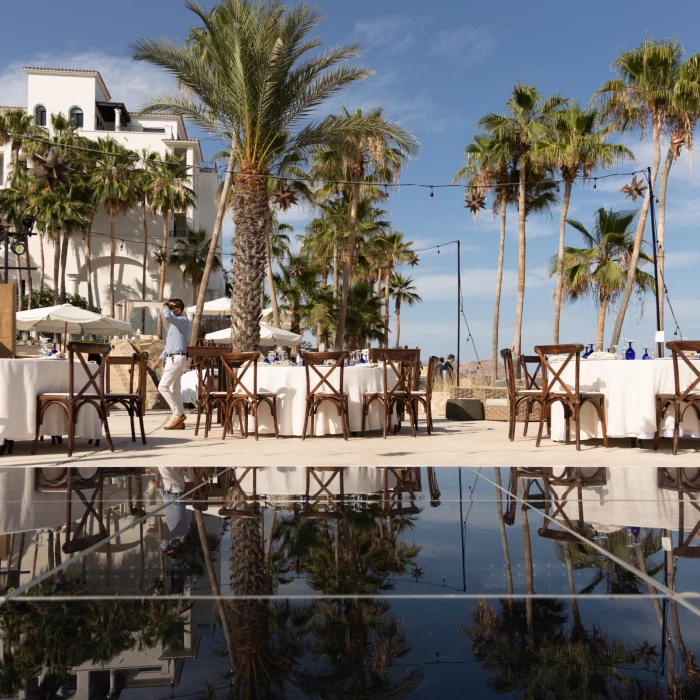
column 595, row 180
column 432, row 194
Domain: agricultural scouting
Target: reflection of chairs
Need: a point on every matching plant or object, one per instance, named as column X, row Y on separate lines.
column 135, row 506
column 433, row 487
column 557, row 391
column 323, row 391
column 91, row 393
column 322, row 503
column 89, row 490
column 570, row 479
column 134, row 399
column 532, row 490
column 530, row 395
column 205, row 361
column 408, row 482
column 239, row 503
column 686, row 481
column 404, row 366
column 47, row 481
column 424, row 396
column 682, row 398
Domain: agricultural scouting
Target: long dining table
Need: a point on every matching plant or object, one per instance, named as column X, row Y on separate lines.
column 630, row 388
column 288, row 383
column 21, row 381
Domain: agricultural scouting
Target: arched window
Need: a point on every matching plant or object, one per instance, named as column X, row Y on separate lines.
column 40, row 116
column 76, row 117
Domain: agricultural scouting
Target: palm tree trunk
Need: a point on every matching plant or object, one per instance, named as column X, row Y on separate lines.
column 164, row 254
column 380, row 276
column 560, row 259
column 398, row 322
column 629, row 284
column 213, row 245
column 347, row 268
column 661, row 230
column 30, row 282
column 336, row 270
column 56, row 263
column 64, row 262
column 250, row 213
column 575, row 612
column 600, row 333
column 20, row 305
column 499, row 285
column 387, row 299
column 42, row 263
column 675, row 620
column 527, row 547
column 270, row 277
column 517, row 339
column 502, row 527
column 144, row 264
column 88, row 260
column 112, row 224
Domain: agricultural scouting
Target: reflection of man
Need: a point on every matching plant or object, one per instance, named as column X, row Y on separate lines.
column 173, row 486
column 174, row 360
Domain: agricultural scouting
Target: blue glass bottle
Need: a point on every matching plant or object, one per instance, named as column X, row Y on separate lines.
column 645, row 356
column 629, row 353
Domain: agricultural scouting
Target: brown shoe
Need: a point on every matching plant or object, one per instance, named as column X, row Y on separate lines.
column 176, row 423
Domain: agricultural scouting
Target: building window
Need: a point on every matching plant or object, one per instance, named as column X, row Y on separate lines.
column 152, row 130
column 76, row 117
column 40, row 116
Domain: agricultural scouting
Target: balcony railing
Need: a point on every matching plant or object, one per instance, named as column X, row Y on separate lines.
column 178, row 233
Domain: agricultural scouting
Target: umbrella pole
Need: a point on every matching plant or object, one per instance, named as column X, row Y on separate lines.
column 65, row 338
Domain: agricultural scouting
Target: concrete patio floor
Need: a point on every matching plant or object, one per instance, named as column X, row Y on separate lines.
column 476, row 444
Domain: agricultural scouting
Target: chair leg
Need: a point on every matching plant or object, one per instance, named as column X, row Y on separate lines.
column 676, row 426
column 539, row 429
column 386, row 415
column 411, row 417
column 306, row 420
column 602, row 422
column 72, row 417
column 108, row 436
column 35, row 444
column 364, row 414
column 254, row 408
column 133, row 424
column 576, row 410
column 528, row 408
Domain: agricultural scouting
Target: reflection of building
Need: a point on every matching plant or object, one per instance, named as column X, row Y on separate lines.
column 82, row 96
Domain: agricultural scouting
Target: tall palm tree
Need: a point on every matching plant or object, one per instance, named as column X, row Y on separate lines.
column 599, row 269
column 396, row 251
column 170, row 193
column 113, row 183
column 641, row 96
column 246, row 72
column 375, row 153
column 404, row 292
column 528, row 119
column 577, row 147
column 296, row 283
column 488, row 161
column 190, row 254
column 276, row 248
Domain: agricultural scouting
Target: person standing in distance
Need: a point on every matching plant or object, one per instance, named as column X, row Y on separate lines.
column 174, row 360
column 448, row 367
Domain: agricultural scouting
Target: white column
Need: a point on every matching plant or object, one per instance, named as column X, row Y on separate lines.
column 117, row 119
column 74, row 280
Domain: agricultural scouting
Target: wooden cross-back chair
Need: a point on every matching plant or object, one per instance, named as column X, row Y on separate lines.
column 408, row 484
column 240, row 502
column 556, row 390
column 686, row 482
column 134, row 489
column 322, row 503
column 685, row 396
column 90, row 491
column 134, row 398
column 572, row 479
column 423, row 397
column 239, row 393
column 92, row 393
column 516, row 397
column 403, row 364
column 321, row 389
column 205, row 362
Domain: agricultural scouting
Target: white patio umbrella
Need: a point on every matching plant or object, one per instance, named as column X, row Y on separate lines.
column 66, row 318
column 214, row 307
column 269, row 336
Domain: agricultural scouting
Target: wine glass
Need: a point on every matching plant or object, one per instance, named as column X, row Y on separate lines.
column 645, row 356
column 630, row 354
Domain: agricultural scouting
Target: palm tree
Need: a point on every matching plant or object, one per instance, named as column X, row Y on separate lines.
column 488, row 161
column 190, row 254
column 113, row 183
column 577, row 146
column 396, row 250
column 527, row 120
column 246, row 72
column 376, row 152
column 641, row 97
column 600, row 268
column 296, row 283
column 276, row 248
column 364, row 319
column 170, row 193
column 404, row 292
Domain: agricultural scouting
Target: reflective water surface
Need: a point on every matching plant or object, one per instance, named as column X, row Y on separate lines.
column 349, row 583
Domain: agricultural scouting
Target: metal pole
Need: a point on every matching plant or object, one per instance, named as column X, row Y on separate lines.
column 7, row 259
column 459, row 304
column 461, row 531
column 659, row 346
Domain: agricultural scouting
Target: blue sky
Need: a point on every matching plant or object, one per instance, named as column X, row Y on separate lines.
column 438, row 68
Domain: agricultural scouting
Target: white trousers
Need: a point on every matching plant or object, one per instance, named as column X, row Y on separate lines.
column 170, row 384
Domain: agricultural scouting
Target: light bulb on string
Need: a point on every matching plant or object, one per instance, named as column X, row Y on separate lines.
column 432, row 194
column 121, row 245
column 595, row 180
column 438, row 250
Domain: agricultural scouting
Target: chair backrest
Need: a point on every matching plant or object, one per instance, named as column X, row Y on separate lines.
column 531, row 377
column 678, row 349
column 507, row 355
column 240, row 373
column 205, row 361
column 404, row 364
column 430, row 376
column 136, row 364
column 203, row 342
column 322, row 377
column 557, row 384
column 95, row 384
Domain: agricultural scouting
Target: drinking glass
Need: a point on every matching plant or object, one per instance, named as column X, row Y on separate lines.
column 645, row 356
column 630, row 353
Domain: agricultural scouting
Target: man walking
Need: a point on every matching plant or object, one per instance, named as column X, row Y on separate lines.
column 174, row 360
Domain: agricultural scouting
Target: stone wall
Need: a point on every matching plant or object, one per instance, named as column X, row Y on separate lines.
column 119, row 379
column 501, row 413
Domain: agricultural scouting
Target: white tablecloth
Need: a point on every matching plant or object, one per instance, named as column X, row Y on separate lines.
column 21, row 381
column 289, row 383
column 630, row 388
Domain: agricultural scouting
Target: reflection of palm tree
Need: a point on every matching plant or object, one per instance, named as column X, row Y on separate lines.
column 502, row 527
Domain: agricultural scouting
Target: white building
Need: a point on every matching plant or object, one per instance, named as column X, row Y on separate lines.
column 83, row 96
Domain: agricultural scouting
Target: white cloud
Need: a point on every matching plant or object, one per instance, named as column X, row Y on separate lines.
column 466, row 43
column 128, row 81
column 387, row 32
column 685, row 258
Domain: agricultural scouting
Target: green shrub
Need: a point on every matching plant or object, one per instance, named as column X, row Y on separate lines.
column 43, row 298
